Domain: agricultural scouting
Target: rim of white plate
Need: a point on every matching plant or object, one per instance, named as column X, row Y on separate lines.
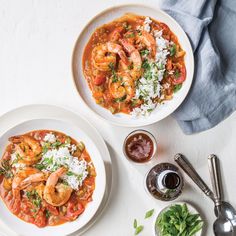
column 91, row 209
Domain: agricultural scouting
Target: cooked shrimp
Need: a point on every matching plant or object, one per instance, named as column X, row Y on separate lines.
column 148, row 40
column 57, row 194
column 104, row 55
column 28, row 149
column 21, row 180
column 135, row 57
column 115, row 35
column 123, row 89
column 25, row 177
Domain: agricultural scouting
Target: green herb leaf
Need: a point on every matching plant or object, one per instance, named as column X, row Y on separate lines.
column 47, row 214
column 134, row 102
column 111, row 66
column 126, row 26
column 177, row 74
column 177, row 87
column 144, row 52
column 138, row 229
column 56, row 144
column 130, row 35
column 34, row 198
column 131, row 66
column 149, row 213
column 69, row 173
column 114, row 79
column 68, row 140
column 39, row 166
column 135, row 224
column 120, row 99
column 173, row 50
column 145, row 64
column 6, row 169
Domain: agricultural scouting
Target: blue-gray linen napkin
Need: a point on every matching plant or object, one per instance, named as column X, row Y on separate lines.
column 211, row 28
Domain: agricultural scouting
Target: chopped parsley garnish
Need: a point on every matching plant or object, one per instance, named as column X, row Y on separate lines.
column 130, row 35
column 114, row 79
column 5, row 169
column 69, row 173
column 145, row 64
column 111, row 66
column 34, row 197
column 177, row 87
column 47, row 214
column 134, row 102
column 40, row 166
column 56, row 144
column 161, row 66
column 173, row 50
column 68, row 140
column 131, row 66
column 177, row 74
column 120, row 99
column 114, row 76
column 144, row 52
column 149, row 110
column 126, row 26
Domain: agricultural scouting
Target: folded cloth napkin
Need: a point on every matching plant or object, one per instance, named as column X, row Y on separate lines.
column 210, row 25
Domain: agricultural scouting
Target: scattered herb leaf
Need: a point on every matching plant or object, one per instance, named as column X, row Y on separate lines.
column 149, row 213
column 135, row 224
column 138, row 229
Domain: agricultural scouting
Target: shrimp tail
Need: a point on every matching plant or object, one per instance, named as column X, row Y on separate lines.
column 15, row 139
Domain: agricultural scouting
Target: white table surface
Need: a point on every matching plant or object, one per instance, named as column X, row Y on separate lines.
column 36, row 44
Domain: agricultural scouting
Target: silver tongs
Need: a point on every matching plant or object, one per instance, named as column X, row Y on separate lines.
column 225, row 225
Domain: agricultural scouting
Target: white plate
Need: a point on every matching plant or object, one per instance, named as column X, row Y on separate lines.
column 78, row 133
column 122, row 119
column 190, row 208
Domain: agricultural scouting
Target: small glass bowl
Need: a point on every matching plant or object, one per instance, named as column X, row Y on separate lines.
column 140, row 131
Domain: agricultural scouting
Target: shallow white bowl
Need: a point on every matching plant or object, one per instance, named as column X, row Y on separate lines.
column 161, row 111
column 191, row 209
column 24, row 228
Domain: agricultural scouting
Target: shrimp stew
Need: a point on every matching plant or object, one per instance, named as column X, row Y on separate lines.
column 132, row 64
column 46, row 177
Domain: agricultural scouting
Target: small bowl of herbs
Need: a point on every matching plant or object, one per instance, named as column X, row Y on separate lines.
column 180, row 219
